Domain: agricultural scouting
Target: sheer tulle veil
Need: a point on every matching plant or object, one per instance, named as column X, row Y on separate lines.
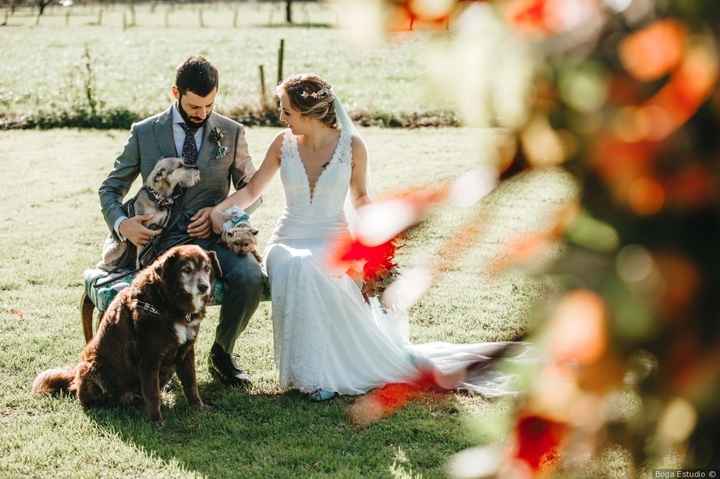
column 348, row 128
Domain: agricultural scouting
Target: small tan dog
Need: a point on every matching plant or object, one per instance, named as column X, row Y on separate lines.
column 156, row 197
column 238, row 235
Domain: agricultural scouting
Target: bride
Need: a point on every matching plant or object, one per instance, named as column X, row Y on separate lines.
column 328, row 339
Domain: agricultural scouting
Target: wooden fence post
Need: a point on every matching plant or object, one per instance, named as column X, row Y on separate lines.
column 281, row 60
column 263, row 94
column 133, row 22
column 288, row 11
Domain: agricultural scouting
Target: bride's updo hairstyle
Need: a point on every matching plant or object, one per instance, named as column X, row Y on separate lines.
column 311, row 96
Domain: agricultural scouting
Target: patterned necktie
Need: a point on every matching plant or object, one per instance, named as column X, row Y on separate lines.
column 189, row 151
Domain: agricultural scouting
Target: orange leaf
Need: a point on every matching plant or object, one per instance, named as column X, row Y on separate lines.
column 653, row 51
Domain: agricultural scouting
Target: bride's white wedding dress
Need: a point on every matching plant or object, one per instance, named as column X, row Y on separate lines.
column 326, row 336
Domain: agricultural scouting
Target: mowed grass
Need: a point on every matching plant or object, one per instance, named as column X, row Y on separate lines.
column 51, row 230
column 43, row 70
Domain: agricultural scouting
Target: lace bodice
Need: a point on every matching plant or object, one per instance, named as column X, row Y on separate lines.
column 315, row 213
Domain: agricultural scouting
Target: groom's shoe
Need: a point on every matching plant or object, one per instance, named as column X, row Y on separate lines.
column 223, row 368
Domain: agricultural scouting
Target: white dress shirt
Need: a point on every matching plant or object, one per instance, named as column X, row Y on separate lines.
column 179, row 133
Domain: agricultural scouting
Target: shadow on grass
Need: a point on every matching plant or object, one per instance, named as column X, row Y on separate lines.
column 286, row 435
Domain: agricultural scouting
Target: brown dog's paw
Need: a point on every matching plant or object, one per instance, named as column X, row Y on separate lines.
column 202, row 406
column 153, row 415
column 130, row 399
column 157, row 420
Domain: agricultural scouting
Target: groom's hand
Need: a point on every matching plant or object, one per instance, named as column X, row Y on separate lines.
column 135, row 231
column 200, row 225
column 217, row 219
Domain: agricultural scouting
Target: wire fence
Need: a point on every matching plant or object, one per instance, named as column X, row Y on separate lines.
column 197, row 14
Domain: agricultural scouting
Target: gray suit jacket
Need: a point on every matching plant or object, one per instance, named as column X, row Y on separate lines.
column 151, row 140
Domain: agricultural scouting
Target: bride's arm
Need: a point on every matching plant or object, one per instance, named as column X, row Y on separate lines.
column 358, row 180
column 252, row 191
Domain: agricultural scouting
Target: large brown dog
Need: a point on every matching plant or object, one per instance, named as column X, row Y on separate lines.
column 146, row 335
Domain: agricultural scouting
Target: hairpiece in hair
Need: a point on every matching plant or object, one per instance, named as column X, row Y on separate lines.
column 324, row 91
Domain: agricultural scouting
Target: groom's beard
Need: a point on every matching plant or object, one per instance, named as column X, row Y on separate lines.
column 189, row 121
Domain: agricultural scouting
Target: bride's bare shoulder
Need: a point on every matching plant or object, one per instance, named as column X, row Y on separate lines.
column 280, row 136
column 358, row 150
column 357, row 144
column 275, row 148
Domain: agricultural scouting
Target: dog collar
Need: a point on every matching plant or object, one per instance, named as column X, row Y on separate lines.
column 147, row 307
column 160, row 201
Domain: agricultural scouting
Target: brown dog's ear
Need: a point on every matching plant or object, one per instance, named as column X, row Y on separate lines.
column 217, row 270
column 165, row 262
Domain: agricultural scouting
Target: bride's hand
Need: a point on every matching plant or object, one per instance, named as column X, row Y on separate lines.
column 217, row 219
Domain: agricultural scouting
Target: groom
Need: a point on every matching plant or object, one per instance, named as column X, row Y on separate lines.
column 216, row 145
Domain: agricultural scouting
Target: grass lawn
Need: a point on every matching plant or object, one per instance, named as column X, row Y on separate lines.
column 51, row 229
column 43, row 70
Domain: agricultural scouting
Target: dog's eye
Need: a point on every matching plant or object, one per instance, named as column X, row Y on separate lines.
column 186, row 269
column 206, row 268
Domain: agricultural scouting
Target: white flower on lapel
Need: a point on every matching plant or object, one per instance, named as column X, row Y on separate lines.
column 216, row 136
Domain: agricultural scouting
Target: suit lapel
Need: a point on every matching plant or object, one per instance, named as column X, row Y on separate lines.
column 163, row 129
column 207, row 150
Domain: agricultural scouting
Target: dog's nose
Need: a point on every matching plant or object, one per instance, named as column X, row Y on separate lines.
column 203, row 287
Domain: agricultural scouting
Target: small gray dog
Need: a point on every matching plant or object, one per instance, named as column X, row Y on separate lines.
column 156, row 197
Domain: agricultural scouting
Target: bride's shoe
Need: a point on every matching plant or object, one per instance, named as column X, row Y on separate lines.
column 321, row 395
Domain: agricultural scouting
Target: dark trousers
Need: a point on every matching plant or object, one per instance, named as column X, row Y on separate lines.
column 245, row 283
column 245, row 287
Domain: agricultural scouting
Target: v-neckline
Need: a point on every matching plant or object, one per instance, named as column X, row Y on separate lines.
column 328, row 164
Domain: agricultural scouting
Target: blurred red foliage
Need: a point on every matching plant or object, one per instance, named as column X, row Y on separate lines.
column 537, row 439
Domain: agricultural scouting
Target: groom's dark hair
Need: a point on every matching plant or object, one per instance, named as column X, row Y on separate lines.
column 197, row 75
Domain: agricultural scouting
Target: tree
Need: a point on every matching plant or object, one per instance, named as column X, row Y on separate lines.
column 41, row 4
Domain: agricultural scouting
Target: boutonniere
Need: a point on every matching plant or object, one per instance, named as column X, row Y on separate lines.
column 216, row 136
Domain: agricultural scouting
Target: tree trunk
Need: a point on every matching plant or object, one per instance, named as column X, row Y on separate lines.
column 288, row 11
column 41, row 6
